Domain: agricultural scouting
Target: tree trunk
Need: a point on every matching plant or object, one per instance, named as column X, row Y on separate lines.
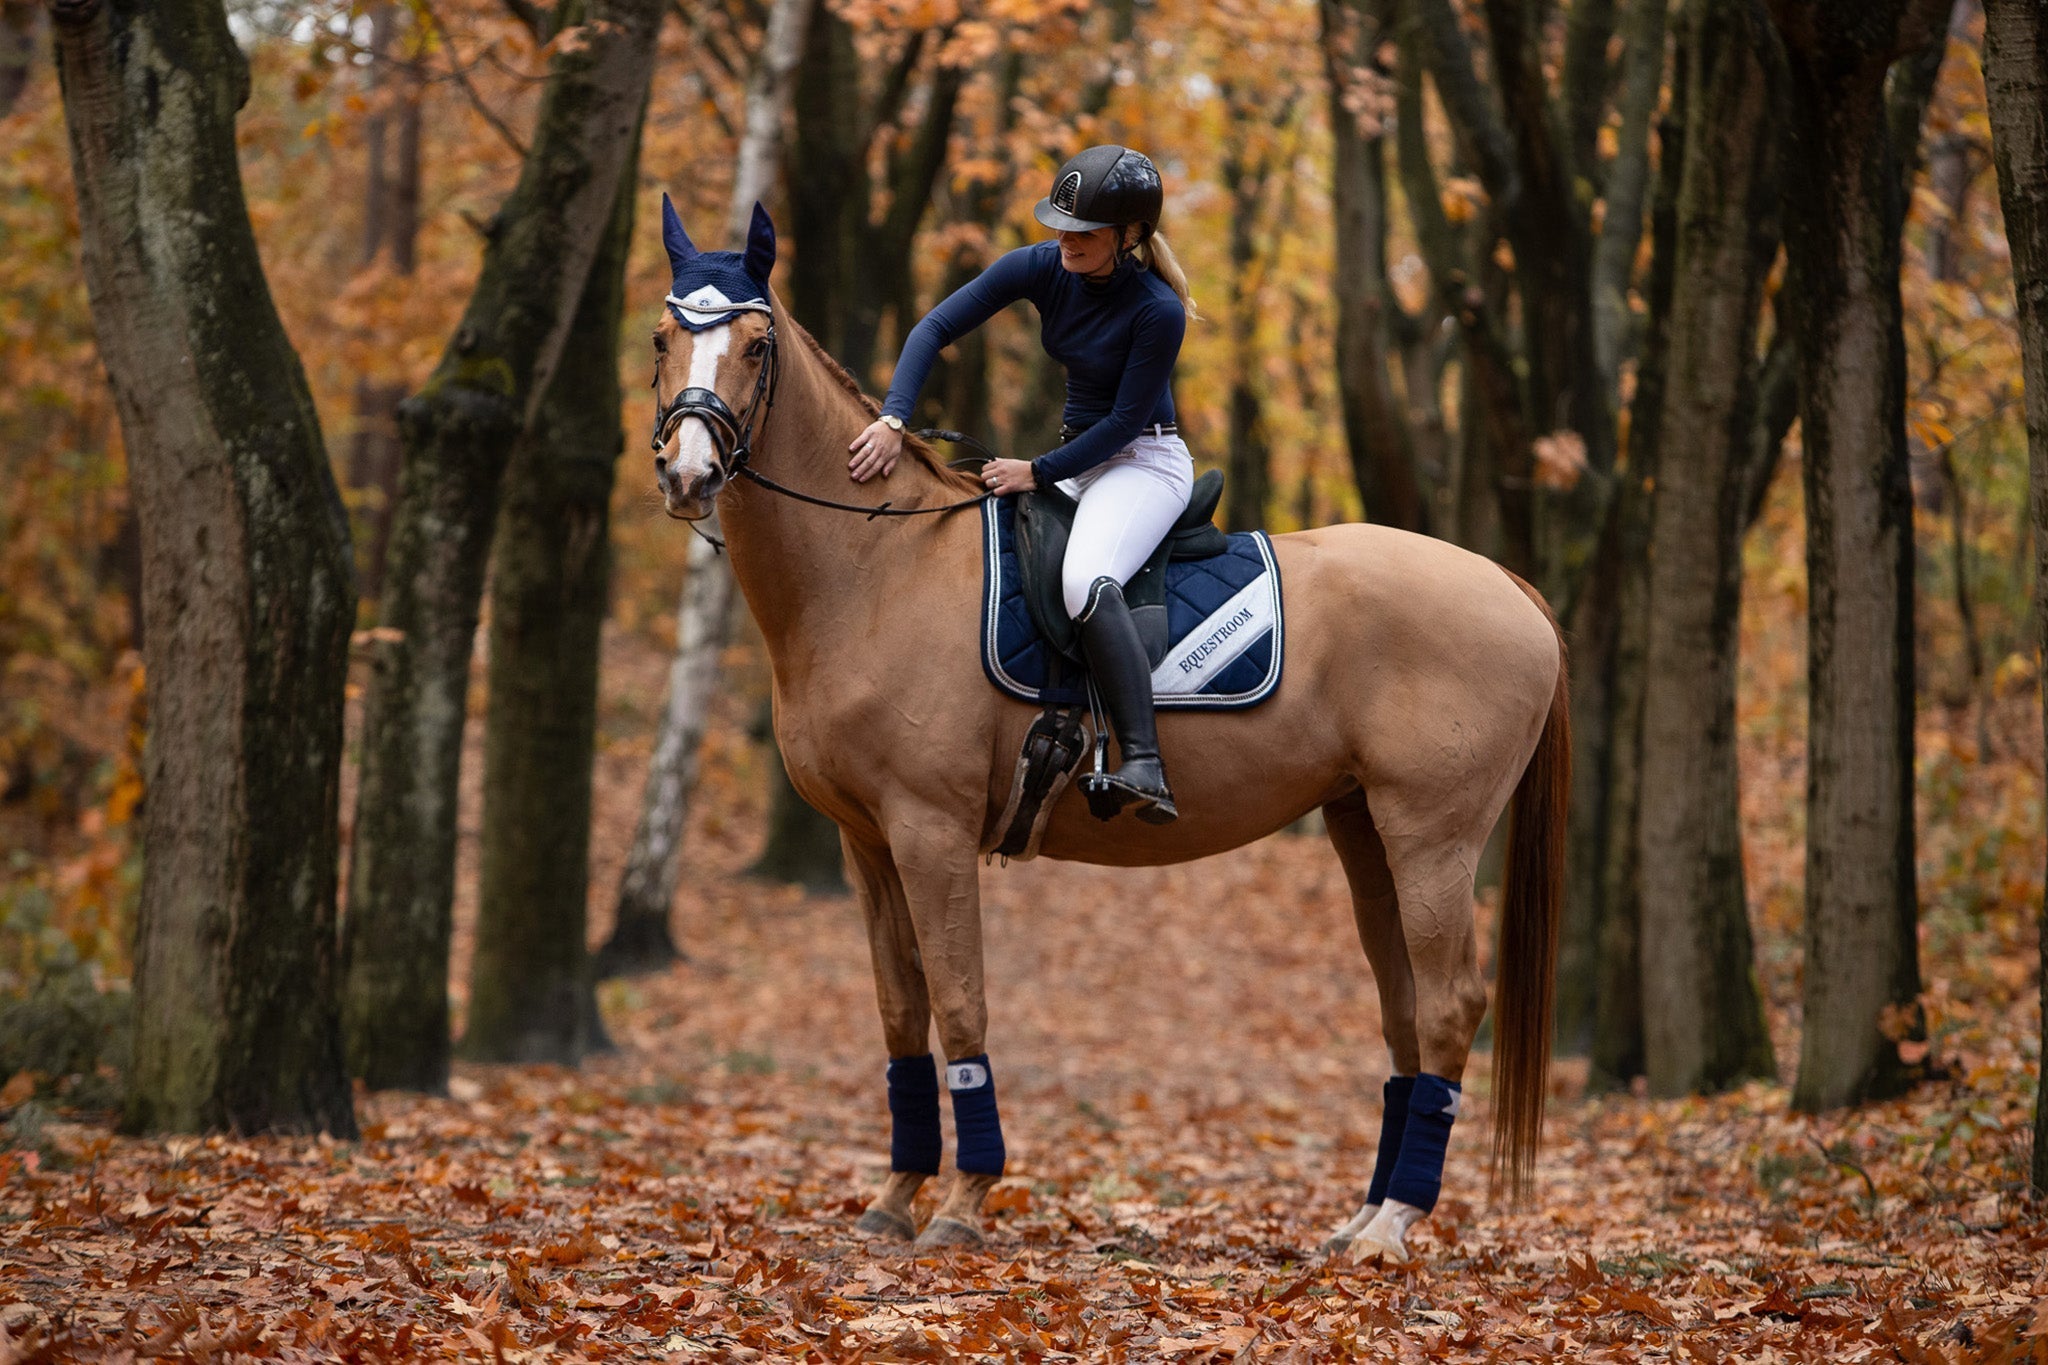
column 1614, row 254
column 848, row 268
column 457, row 432
column 21, row 24
column 1249, row 482
column 640, row 939
column 1843, row 210
column 803, row 846
column 247, row 589
column 391, row 220
column 1376, row 432
column 1617, row 1052
column 1703, row 1015
column 2016, row 88
column 530, row 994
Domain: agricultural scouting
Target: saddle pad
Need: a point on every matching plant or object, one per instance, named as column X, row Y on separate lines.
column 1223, row 617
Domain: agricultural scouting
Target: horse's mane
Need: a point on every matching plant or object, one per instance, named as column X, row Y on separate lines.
column 912, row 445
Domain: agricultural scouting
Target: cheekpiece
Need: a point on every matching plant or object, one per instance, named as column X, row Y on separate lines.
column 710, row 288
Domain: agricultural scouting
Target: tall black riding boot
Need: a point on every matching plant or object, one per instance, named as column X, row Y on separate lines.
column 1116, row 656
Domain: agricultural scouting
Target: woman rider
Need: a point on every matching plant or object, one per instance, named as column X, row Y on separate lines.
column 1113, row 305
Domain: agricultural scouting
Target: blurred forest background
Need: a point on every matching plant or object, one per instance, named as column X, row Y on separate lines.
column 1443, row 251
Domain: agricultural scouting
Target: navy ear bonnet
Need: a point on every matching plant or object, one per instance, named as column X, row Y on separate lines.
column 713, row 287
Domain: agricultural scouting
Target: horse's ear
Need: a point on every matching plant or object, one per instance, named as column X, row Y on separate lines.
column 680, row 247
column 760, row 259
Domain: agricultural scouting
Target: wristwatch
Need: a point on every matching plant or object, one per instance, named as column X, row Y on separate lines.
column 893, row 423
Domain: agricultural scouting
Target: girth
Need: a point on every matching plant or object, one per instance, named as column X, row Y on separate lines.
column 1045, row 518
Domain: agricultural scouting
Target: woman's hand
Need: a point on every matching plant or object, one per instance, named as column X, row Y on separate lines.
column 875, row 451
column 1005, row 477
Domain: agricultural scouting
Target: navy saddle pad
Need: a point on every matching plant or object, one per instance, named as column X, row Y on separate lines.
column 1223, row 616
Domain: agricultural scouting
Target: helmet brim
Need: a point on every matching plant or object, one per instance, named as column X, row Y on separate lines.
column 1053, row 218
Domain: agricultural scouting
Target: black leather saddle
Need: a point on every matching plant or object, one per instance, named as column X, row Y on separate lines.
column 1045, row 517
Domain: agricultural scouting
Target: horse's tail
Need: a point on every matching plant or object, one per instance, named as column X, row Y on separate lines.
column 1532, row 905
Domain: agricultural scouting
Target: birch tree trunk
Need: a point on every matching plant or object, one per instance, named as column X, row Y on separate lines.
column 247, row 590
column 1703, row 1014
column 458, row 432
column 1843, row 210
column 640, row 938
column 2016, row 87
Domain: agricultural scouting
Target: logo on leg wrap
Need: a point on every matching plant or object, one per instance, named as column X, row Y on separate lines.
column 977, row 1126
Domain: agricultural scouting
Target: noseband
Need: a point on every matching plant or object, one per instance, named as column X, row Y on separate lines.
column 732, row 438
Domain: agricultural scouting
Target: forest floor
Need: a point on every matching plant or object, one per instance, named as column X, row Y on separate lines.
column 1189, row 1064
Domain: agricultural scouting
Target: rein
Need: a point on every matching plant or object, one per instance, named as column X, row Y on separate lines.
column 732, row 438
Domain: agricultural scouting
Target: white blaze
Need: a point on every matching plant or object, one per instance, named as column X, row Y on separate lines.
column 694, row 454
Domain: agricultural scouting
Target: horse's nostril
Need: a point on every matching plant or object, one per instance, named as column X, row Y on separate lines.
column 661, row 464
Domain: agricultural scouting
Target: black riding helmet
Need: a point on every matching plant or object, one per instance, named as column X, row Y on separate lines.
column 1107, row 186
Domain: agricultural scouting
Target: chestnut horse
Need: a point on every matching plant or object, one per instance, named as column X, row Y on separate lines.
column 1423, row 687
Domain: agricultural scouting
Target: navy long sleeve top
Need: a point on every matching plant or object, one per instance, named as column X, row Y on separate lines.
column 1117, row 339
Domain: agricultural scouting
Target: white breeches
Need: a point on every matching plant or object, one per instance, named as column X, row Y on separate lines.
column 1128, row 504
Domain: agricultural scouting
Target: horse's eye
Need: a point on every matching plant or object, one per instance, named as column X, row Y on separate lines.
column 661, row 345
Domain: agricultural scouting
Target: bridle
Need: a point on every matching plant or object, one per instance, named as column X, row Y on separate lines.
column 732, row 436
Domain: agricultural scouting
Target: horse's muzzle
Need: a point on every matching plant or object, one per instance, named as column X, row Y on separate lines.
column 679, row 499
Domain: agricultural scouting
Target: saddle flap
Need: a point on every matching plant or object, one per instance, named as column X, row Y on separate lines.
column 1044, row 519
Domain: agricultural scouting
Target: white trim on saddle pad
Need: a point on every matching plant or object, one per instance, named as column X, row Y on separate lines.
column 1194, row 661
column 1204, row 652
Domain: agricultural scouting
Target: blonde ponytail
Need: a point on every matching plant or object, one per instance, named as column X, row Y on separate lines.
column 1155, row 255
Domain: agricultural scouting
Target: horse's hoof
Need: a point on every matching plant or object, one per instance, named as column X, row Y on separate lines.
column 1340, row 1241
column 880, row 1222
column 945, row 1233
column 1392, row 1253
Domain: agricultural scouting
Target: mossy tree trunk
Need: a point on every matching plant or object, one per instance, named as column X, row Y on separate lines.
column 530, row 985
column 2016, row 88
column 458, row 432
column 1843, row 207
column 1703, row 1013
column 247, row 589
